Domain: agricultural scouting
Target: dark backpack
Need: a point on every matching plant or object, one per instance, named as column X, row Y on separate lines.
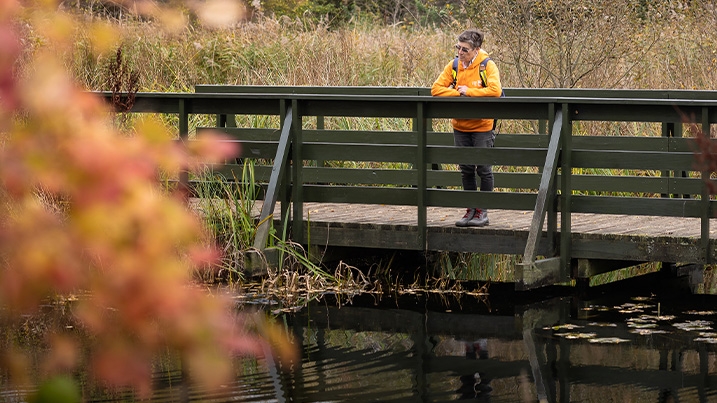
column 483, row 78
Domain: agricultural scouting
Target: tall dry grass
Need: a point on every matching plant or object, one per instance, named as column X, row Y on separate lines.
column 614, row 46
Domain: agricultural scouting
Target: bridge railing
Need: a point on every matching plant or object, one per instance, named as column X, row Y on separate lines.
column 622, row 169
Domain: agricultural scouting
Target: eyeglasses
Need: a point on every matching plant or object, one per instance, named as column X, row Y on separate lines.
column 459, row 48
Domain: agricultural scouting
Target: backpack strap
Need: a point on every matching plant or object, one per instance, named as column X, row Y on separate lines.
column 484, row 79
column 481, row 72
column 455, row 71
column 484, row 76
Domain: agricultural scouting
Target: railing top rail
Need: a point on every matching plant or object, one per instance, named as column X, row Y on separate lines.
column 511, row 92
column 422, row 98
column 404, row 106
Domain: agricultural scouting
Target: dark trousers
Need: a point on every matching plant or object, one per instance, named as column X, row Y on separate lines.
column 469, row 171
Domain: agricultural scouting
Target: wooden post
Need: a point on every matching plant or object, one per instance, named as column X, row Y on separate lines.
column 566, row 192
column 420, row 167
column 184, row 137
column 706, row 196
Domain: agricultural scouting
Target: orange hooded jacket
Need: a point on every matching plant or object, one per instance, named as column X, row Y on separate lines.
column 470, row 77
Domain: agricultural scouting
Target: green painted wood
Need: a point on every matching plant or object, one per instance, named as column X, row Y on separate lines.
column 493, row 156
column 359, row 195
column 258, row 149
column 510, row 92
column 377, row 137
column 680, row 187
column 538, row 273
column 297, row 193
column 407, row 196
column 476, row 107
column 706, row 212
column 536, row 108
column 280, row 160
column 360, row 176
column 359, row 152
column 684, row 144
column 183, row 137
column 541, row 202
column 630, row 185
column 334, row 136
column 636, row 206
column 565, row 201
column 212, row 105
column 631, row 110
column 370, row 137
column 355, row 235
column 421, row 142
column 635, row 184
column 636, row 248
column 245, row 133
column 610, row 93
column 370, row 176
column 488, row 200
column 282, row 89
column 507, row 140
column 484, row 241
column 620, row 143
column 552, row 203
column 617, row 159
column 502, row 140
column 515, row 180
column 233, row 172
column 286, row 188
column 369, row 106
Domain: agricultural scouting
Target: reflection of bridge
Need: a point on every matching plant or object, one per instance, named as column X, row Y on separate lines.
column 572, row 205
column 557, row 365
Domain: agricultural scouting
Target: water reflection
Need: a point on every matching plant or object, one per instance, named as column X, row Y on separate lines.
column 560, row 350
column 417, row 349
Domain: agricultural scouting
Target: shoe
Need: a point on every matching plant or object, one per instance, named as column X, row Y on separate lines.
column 480, row 219
column 463, row 222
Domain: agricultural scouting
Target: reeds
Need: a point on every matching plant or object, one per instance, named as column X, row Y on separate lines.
column 635, row 51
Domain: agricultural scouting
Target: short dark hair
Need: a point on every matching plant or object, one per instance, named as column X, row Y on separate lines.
column 472, row 36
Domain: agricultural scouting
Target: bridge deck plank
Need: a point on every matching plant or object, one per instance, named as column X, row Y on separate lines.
column 511, row 220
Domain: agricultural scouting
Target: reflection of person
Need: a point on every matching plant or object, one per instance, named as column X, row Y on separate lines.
column 474, row 387
column 477, row 349
column 471, row 132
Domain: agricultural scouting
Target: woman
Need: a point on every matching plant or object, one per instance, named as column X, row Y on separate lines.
column 466, row 81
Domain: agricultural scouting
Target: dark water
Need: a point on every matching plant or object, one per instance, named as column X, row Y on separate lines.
column 619, row 349
column 640, row 345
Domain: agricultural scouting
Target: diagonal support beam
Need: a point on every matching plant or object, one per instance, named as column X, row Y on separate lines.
column 275, row 180
column 546, row 183
column 536, row 227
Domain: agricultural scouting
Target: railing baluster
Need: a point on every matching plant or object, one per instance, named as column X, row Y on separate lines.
column 420, row 166
column 566, row 192
column 551, row 203
column 297, row 182
column 184, row 137
column 706, row 210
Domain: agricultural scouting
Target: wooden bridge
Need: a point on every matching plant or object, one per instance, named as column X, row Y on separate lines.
column 572, row 204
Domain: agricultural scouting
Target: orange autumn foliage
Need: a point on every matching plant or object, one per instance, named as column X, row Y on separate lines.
column 118, row 237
